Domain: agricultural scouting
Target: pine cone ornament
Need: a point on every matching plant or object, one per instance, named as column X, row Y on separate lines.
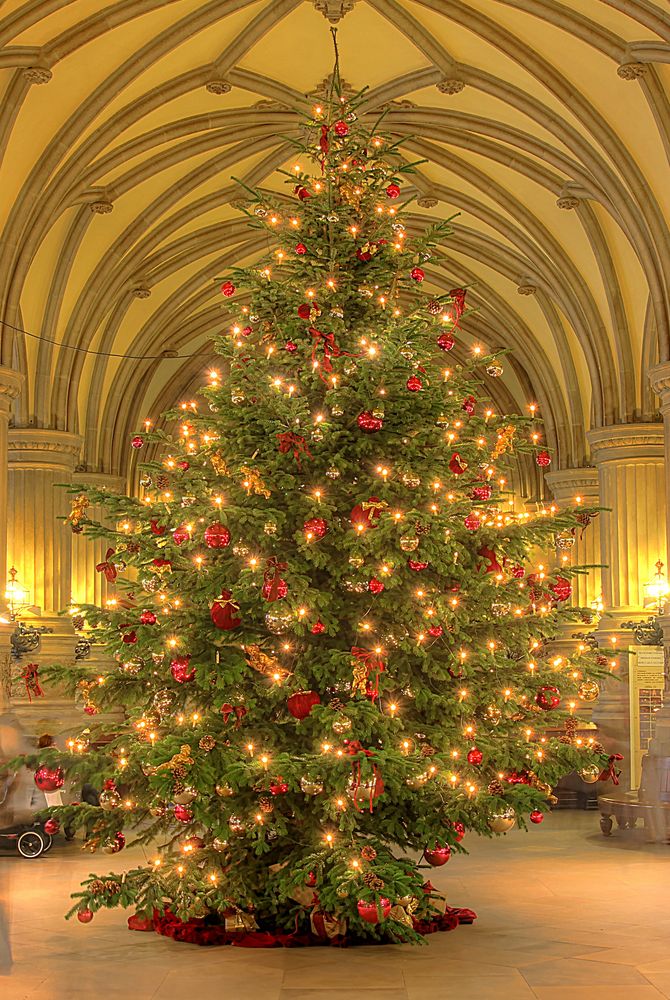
column 427, row 750
column 97, row 886
column 373, row 881
column 598, row 748
column 336, row 705
column 207, row 743
column 368, row 853
column 496, row 787
column 179, row 771
column 112, row 886
column 178, row 787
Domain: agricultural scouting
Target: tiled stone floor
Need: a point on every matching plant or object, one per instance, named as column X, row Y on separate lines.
column 563, row 915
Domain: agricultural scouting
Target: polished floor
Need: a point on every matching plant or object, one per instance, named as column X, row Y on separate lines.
column 563, row 915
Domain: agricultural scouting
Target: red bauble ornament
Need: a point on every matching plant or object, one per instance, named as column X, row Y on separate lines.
column 482, row 492
column 274, row 589
column 375, row 586
column 414, row 383
column 417, row 565
column 456, row 465
column 417, row 274
column 148, row 618
column 85, row 916
column 445, row 341
column 548, row 697
column 367, row 512
column 180, row 535
column 368, row 423
column 304, row 310
column 316, row 527
column 130, row 638
column 493, row 566
column 228, row 289
column 459, row 830
column 469, row 404
column 302, row 192
column 183, row 814
column 543, row 459
column 157, row 529
column 137, row 441
column 278, row 786
column 91, row 709
column 224, row 612
column 290, row 347
column 438, row 856
column 318, row 627
column 194, row 843
column 561, row 588
column 472, row 522
column 341, row 129
column 217, row 536
column 393, row 190
column 181, row 669
column 536, row 816
column 49, row 779
column 475, row 756
column 52, row 826
column 300, row 248
column 301, row 703
column 369, row 911
column 185, row 465
column 162, row 564
column 117, row 844
column 310, row 881
column 518, row 572
column 435, row 631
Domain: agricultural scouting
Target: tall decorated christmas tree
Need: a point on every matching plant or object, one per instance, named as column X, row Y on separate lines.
column 334, row 658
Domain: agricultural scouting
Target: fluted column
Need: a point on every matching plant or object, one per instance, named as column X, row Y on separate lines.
column 11, row 383
column 39, row 542
column 571, row 488
column 89, row 586
column 631, row 470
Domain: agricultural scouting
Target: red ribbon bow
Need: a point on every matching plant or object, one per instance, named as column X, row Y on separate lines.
column 31, row 677
column 330, row 350
column 458, row 295
column 107, row 567
column 288, row 441
column 611, row 772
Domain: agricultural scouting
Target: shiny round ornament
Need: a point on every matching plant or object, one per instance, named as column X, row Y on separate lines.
column 237, row 396
column 333, row 217
column 417, row 565
column 590, row 774
column 315, row 527
column 219, row 845
column 341, row 725
column 393, row 190
column 372, row 913
column 180, row 535
column 414, row 383
column 500, row 608
column 185, row 796
column 150, row 584
column 503, row 821
column 409, row 543
column 137, row 442
column 475, row 756
column 278, row 786
column 51, row 827
column 336, row 410
column 183, row 814
column 228, row 289
column 435, row 631
column 543, row 459
column 217, row 536
column 536, row 816
column 157, row 809
column 416, row 781
column 548, row 698
column 260, row 211
column 411, row 480
column 114, row 844
column 181, row 670
column 356, row 561
column 163, row 701
column 417, row 274
column 148, row 618
column 369, row 423
column 188, row 500
column 472, row 522
column 438, row 855
column 311, row 786
column 278, row 621
column 300, row 249
column 445, row 341
column 223, row 790
column 318, row 628
column 85, row 916
column 236, row 824
column 49, row 779
column 376, row 586
column 109, row 797
column 494, row 715
column 564, row 541
column 270, row 528
column 333, row 472
column 301, row 703
column 588, row 691
column 494, row 371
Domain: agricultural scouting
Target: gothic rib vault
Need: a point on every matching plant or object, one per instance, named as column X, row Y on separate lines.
column 544, row 123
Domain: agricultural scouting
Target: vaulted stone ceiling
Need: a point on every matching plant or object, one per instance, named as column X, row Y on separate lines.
column 545, row 124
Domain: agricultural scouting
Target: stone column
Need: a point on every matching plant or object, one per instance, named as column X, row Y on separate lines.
column 89, row 586
column 11, row 383
column 630, row 463
column 40, row 543
column 572, row 487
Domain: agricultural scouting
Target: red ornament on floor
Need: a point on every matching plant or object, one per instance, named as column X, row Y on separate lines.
column 438, row 856
column 370, row 913
column 301, row 703
column 217, row 536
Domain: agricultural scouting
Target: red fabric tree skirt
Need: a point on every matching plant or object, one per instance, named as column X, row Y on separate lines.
column 203, row 933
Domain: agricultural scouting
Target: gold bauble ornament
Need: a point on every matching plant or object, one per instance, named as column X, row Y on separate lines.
column 493, row 714
column 311, row 786
column 341, row 725
column 219, row 845
column 236, row 824
column 411, row 480
column 157, row 809
column 109, row 799
column 336, row 410
column 342, row 890
column 270, row 528
column 564, row 540
column 223, row 790
column 237, row 396
column 333, row 473
column 408, row 543
column 500, row 608
column 416, row 781
column 240, row 549
column 378, row 413
column 186, row 795
column 278, row 621
column 590, row 774
column 501, row 822
column 356, row 561
column 163, row 701
column 588, row 691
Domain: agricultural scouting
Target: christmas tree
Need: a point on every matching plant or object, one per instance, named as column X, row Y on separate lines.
column 333, row 656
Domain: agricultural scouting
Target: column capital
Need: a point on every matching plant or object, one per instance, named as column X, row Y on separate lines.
column 567, row 484
column 626, row 442
column 659, row 380
column 41, row 448
column 11, row 384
